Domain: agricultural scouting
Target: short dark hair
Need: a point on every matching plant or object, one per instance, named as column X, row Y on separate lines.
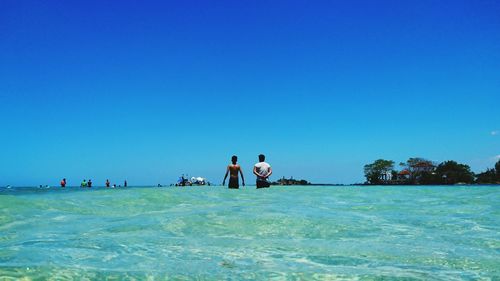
column 234, row 158
column 262, row 157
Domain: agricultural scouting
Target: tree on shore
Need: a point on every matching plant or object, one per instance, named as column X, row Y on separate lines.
column 451, row 172
column 379, row 171
column 425, row 172
column 420, row 170
column 490, row 175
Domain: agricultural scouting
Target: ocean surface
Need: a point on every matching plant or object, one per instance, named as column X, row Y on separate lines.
column 280, row 233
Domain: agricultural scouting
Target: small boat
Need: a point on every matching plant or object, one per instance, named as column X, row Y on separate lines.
column 182, row 181
column 198, row 181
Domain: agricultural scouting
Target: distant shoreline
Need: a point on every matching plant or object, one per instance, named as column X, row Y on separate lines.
column 278, row 185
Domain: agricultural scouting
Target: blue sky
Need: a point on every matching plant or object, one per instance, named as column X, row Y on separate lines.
column 148, row 91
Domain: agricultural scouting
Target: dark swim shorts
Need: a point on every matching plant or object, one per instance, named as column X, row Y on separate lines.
column 233, row 183
column 261, row 184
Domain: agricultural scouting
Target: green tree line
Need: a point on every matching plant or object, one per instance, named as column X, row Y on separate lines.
column 423, row 171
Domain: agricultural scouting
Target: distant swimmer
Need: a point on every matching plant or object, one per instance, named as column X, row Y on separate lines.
column 84, row 183
column 63, row 182
column 89, row 183
column 262, row 170
column 233, row 170
column 107, row 183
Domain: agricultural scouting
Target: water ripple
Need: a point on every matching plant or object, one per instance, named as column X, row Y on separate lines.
column 283, row 233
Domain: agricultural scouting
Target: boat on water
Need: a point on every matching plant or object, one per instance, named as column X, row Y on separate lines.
column 184, row 181
column 198, row 181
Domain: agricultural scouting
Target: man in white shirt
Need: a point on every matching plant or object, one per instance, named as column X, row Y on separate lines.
column 262, row 170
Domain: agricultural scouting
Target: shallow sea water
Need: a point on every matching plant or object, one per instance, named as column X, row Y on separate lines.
column 281, row 233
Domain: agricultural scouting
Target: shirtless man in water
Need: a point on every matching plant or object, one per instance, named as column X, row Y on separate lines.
column 233, row 170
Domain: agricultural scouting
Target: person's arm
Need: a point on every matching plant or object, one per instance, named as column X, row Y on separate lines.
column 255, row 171
column 225, row 177
column 242, row 178
column 270, row 172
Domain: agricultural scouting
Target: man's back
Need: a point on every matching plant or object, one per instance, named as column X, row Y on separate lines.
column 262, row 169
column 233, row 170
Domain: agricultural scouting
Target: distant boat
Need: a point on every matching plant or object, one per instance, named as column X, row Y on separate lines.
column 198, row 181
column 182, row 181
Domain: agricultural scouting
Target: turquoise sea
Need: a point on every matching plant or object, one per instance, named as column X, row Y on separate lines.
column 281, row 233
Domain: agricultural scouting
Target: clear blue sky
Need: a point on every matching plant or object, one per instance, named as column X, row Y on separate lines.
column 149, row 90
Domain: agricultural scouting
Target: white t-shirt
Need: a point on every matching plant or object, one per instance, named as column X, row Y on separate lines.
column 262, row 169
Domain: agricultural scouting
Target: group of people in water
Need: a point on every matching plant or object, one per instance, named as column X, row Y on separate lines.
column 262, row 170
column 88, row 184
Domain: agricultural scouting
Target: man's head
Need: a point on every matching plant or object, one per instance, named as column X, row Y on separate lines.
column 262, row 158
column 234, row 159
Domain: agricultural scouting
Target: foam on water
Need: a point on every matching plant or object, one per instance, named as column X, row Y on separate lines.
column 295, row 233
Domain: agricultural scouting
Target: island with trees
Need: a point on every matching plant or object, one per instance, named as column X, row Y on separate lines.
column 290, row 181
column 420, row 171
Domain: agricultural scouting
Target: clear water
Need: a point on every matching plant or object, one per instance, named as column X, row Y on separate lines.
column 281, row 233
